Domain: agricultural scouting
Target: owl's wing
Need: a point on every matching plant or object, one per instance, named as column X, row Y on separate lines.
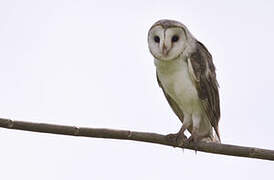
column 202, row 69
column 171, row 102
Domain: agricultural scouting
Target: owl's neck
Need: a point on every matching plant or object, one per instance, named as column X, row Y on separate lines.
column 170, row 66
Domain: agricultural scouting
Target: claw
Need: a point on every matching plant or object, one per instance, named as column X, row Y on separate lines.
column 177, row 138
column 181, row 139
column 171, row 138
column 194, row 139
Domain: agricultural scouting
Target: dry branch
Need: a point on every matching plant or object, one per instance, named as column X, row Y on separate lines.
column 225, row 149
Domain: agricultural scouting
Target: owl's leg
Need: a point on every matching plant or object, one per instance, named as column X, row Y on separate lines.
column 180, row 136
column 196, row 134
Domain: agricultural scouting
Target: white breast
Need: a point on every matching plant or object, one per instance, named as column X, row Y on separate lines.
column 176, row 81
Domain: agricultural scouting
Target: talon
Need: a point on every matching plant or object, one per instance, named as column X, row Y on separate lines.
column 194, row 139
column 171, row 138
column 190, row 139
column 181, row 139
column 177, row 138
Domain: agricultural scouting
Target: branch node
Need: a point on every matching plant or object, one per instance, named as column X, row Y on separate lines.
column 129, row 134
column 252, row 152
column 76, row 131
column 10, row 123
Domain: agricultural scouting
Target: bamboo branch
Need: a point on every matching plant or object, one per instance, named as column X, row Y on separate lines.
column 225, row 149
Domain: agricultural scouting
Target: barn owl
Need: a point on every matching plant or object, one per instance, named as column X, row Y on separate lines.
column 186, row 74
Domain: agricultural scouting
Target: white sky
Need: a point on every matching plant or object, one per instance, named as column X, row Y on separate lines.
column 86, row 63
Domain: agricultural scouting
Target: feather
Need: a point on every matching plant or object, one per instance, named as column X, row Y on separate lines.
column 203, row 69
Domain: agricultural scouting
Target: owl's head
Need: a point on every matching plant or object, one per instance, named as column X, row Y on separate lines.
column 168, row 39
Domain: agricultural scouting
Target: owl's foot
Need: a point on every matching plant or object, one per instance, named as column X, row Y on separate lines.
column 195, row 138
column 178, row 138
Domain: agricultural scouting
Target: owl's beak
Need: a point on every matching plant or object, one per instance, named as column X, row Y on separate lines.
column 164, row 50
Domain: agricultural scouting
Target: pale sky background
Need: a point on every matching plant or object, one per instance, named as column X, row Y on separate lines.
column 86, row 63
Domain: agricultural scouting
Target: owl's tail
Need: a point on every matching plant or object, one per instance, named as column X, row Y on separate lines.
column 216, row 138
column 213, row 137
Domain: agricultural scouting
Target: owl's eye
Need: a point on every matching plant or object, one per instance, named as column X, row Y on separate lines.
column 175, row 38
column 157, row 39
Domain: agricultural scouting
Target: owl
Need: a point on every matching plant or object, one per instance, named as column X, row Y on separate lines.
column 186, row 74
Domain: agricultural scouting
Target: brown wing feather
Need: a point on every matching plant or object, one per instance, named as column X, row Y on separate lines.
column 172, row 103
column 206, row 84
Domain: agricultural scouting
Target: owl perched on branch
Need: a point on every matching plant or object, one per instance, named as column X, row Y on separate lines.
column 186, row 74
